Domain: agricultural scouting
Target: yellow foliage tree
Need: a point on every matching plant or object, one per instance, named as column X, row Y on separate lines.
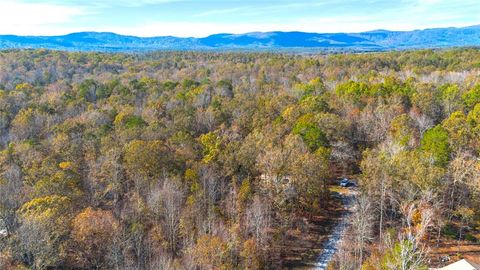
column 210, row 252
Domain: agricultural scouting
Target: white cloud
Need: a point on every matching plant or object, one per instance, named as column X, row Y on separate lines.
column 54, row 17
column 213, row 12
column 29, row 18
column 126, row 3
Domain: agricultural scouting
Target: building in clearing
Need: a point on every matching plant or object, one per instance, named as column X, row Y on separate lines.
column 461, row 265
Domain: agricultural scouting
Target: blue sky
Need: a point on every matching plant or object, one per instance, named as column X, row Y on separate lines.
column 200, row 18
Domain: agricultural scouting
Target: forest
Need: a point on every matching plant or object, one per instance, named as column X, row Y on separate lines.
column 203, row 160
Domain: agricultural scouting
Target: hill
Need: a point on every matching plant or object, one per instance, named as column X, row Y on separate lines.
column 378, row 40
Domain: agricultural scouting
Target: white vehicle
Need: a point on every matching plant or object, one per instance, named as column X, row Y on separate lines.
column 346, row 183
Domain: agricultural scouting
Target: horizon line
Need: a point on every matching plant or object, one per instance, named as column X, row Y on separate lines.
column 242, row 33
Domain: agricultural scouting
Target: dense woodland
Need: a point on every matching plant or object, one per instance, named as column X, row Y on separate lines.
column 205, row 160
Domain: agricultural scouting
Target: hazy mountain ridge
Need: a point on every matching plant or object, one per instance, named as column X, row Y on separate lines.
column 376, row 40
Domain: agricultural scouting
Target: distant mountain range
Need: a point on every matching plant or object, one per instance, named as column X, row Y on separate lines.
column 378, row 40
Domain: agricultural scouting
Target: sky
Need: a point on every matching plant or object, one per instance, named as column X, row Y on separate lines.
column 199, row 18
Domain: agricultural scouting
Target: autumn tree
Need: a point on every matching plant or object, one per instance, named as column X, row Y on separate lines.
column 43, row 230
column 146, row 160
column 211, row 252
column 93, row 234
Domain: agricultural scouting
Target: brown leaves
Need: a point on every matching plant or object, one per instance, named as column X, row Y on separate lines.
column 93, row 233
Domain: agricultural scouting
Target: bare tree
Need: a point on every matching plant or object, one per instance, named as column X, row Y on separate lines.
column 374, row 122
column 162, row 262
column 463, row 174
column 344, row 154
column 211, row 191
column 362, row 223
column 258, row 219
column 167, row 202
column 422, row 121
column 10, row 195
